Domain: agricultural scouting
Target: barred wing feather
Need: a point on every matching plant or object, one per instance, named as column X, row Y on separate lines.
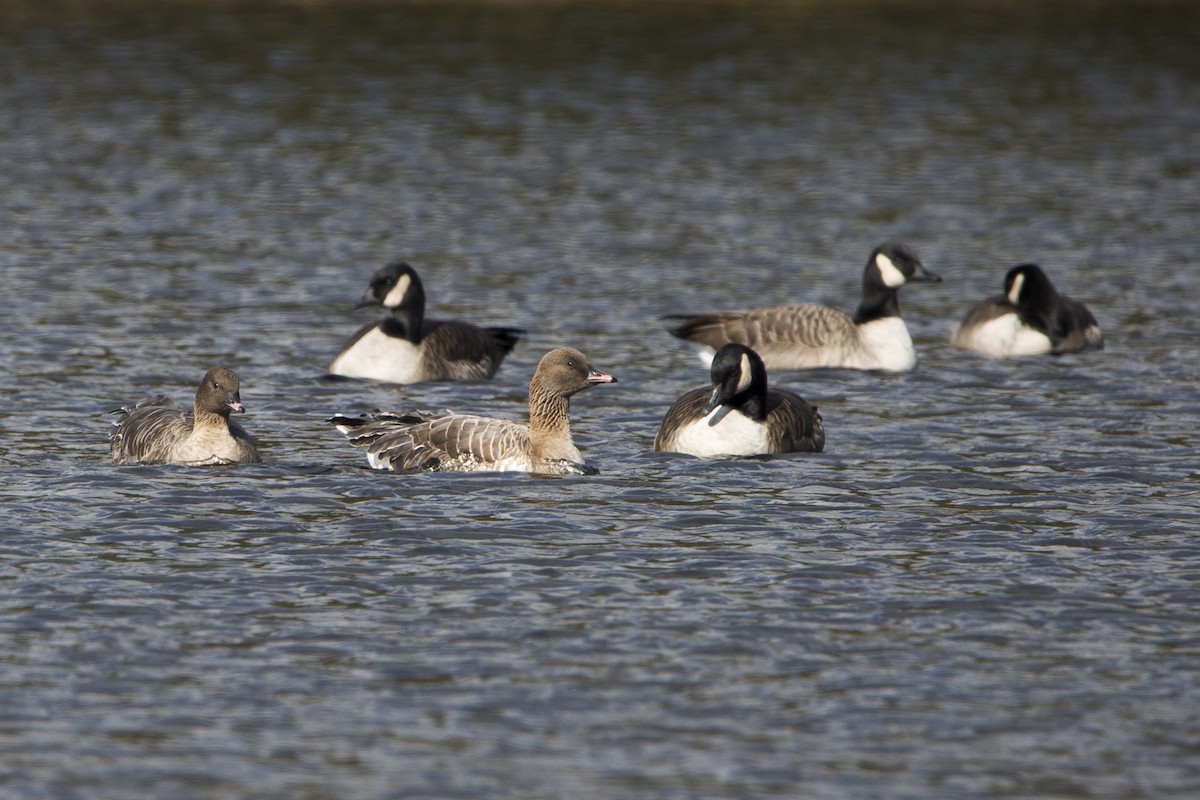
column 146, row 430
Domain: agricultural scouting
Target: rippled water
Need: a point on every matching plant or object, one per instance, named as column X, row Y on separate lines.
column 985, row 587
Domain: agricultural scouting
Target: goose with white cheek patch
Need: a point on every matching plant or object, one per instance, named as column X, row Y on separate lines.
column 739, row 415
column 405, row 347
column 159, row 431
column 1030, row 318
column 810, row 336
column 447, row 441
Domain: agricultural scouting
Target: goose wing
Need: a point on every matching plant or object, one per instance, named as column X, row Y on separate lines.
column 148, row 430
column 416, row 441
column 789, row 332
column 1075, row 328
column 462, row 351
column 686, row 410
column 802, row 427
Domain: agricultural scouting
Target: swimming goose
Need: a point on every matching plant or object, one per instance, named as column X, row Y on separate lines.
column 808, row 336
column 738, row 415
column 405, row 347
column 417, row 441
column 1031, row 318
column 157, row 430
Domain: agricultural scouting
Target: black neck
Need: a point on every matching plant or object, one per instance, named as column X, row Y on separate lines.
column 755, row 406
column 403, row 323
column 877, row 303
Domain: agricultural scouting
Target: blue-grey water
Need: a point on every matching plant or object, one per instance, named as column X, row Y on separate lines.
column 986, row 587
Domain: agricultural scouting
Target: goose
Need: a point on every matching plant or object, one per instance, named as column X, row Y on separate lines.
column 808, row 336
column 405, row 347
column 418, row 441
column 1031, row 318
column 159, row 431
column 738, row 415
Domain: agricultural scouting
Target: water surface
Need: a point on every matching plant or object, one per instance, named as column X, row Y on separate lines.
column 985, row 587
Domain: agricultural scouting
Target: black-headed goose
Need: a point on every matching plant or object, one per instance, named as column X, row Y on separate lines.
column 738, row 415
column 405, row 347
column 809, row 336
column 157, row 430
column 418, row 441
column 1031, row 318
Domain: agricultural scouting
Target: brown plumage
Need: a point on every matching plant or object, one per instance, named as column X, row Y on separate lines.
column 738, row 415
column 158, row 430
column 792, row 335
column 405, row 347
column 417, row 441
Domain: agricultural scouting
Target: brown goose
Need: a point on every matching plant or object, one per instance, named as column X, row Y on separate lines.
column 808, row 336
column 158, row 430
column 1031, row 318
column 405, row 347
column 738, row 415
column 417, row 441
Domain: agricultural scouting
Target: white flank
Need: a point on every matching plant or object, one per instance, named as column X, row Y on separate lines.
column 1005, row 336
column 377, row 356
column 376, row 462
column 734, row 434
column 884, row 345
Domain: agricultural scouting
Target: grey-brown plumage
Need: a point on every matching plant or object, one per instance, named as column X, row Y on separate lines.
column 417, row 441
column 158, row 430
column 1030, row 318
column 405, row 347
column 807, row 336
column 738, row 415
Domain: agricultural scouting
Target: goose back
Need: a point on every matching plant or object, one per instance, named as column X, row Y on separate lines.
column 422, row 441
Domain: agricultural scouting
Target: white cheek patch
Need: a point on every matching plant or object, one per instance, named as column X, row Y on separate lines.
column 891, row 274
column 1015, row 292
column 396, row 296
column 746, row 376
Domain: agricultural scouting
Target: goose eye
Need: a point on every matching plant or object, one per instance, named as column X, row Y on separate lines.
column 570, row 362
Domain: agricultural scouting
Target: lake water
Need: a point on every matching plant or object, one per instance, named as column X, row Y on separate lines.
column 986, row 587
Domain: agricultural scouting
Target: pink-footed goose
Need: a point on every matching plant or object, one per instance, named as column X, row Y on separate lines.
column 157, row 430
column 809, row 336
column 418, row 441
column 738, row 415
column 405, row 347
column 1030, row 318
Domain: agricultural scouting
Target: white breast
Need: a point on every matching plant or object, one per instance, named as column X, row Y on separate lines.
column 733, row 434
column 377, row 356
column 884, row 344
column 1003, row 337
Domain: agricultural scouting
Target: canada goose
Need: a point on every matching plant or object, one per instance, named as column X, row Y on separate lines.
column 808, row 336
column 738, row 415
column 416, row 441
column 158, row 430
column 1030, row 318
column 405, row 347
